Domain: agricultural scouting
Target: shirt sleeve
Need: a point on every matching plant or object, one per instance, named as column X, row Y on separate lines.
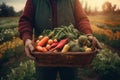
column 25, row 25
column 81, row 19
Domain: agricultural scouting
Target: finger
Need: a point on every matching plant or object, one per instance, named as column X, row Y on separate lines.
column 98, row 44
column 31, row 47
column 27, row 52
column 93, row 43
column 90, row 37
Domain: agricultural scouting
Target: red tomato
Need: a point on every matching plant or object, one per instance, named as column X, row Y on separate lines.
column 50, row 41
column 55, row 40
column 48, row 46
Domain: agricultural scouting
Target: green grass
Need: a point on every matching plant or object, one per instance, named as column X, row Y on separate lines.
column 103, row 38
column 8, row 20
column 107, row 64
column 113, row 18
column 8, row 28
column 8, row 23
column 106, row 26
column 107, row 22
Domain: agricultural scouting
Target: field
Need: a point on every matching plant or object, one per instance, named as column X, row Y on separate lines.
column 106, row 65
column 107, row 29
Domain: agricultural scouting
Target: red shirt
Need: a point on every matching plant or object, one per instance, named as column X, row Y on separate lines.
column 26, row 22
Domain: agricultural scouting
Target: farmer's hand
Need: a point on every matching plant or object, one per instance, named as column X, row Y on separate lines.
column 95, row 42
column 29, row 48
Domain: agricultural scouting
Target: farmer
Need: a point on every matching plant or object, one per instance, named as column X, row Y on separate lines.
column 48, row 14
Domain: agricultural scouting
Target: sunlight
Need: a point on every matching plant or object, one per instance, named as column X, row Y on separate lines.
column 99, row 3
column 93, row 3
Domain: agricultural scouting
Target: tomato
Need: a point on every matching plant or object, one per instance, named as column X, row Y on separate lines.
column 37, row 41
column 55, row 40
column 40, row 37
column 50, row 41
column 48, row 46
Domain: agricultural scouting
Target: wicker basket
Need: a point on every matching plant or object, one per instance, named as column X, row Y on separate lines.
column 69, row 59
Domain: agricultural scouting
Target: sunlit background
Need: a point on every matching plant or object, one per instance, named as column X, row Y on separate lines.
column 99, row 3
column 19, row 4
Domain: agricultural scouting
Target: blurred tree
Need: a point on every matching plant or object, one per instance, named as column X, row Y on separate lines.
column 86, row 7
column 118, row 11
column 113, row 8
column 96, row 10
column 108, row 8
column 19, row 13
column 6, row 10
column 89, row 11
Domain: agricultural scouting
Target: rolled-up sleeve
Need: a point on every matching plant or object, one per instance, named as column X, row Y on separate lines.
column 81, row 19
column 26, row 22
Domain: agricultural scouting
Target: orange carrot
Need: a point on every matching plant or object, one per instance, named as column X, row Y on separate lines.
column 44, row 49
column 43, row 41
column 39, row 48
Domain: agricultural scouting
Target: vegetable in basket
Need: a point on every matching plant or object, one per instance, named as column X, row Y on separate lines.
column 61, row 44
column 43, row 41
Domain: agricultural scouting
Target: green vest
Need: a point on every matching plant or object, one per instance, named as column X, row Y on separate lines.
column 43, row 14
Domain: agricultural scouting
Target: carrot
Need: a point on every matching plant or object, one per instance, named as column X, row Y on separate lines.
column 44, row 49
column 54, row 44
column 52, row 49
column 60, row 45
column 39, row 48
column 43, row 41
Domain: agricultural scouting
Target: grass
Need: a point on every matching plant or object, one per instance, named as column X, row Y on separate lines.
column 106, row 29
column 104, row 18
column 8, row 22
column 105, row 26
column 8, row 28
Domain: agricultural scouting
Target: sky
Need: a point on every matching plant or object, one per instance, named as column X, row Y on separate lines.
column 19, row 4
column 99, row 3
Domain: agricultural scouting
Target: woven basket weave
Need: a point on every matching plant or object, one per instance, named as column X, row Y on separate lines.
column 69, row 59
